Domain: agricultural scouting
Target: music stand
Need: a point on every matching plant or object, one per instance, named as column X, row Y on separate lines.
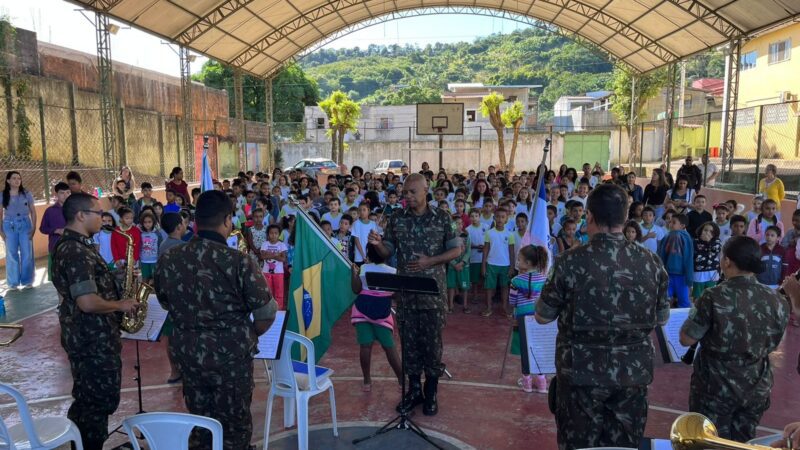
column 150, row 332
column 402, row 284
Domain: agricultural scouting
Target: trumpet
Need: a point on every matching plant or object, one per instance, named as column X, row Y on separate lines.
column 18, row 330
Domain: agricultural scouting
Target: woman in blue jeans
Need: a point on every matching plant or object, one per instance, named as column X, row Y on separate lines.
column 18, row 216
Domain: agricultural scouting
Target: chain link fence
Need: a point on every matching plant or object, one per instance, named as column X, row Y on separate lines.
column 44, row 141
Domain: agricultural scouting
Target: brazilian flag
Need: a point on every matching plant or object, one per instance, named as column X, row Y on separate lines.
column 319, row 289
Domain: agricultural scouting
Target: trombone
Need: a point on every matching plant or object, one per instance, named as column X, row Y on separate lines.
column 18, row 330
column 693, row 431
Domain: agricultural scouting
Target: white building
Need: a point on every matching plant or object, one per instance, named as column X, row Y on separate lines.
column 581, row 112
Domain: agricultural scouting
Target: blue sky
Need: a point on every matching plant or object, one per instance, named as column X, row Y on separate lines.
column 59, row 22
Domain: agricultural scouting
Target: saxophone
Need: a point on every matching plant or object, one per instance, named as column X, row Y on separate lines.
column 132, row 288
column 241, row 243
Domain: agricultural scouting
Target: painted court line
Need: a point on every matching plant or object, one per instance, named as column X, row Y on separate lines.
column 663, row 409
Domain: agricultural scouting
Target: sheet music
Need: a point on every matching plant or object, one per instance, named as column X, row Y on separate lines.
column 670, row 334
column 153, row 322
column 541, row 345
column 269, row 343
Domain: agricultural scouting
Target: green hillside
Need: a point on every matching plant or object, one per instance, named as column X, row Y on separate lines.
column 396, row 75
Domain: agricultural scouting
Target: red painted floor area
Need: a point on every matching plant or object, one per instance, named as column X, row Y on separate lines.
column 477, row 407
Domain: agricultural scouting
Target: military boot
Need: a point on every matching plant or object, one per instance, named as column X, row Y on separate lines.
column 431, row 405
column 413, row 396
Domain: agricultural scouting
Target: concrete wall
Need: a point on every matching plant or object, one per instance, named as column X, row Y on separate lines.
column 474, row 154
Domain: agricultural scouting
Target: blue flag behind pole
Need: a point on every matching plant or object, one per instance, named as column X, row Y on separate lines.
column 539, row 229
column 206, row 180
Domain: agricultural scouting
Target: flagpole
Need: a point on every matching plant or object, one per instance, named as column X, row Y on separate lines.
column 539, row 182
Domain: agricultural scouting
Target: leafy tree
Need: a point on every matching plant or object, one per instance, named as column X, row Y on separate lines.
column 22, row 122
column 343, row 115
column 513, row 117
column 490, row 107
column 647, row 87
column 292, row 90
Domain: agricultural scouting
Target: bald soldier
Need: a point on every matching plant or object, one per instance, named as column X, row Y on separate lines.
column 424, row 240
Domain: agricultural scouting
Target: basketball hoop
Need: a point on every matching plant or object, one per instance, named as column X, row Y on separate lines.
column 440, row 119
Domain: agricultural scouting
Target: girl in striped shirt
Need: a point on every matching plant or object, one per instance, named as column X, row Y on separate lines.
column 525, row 291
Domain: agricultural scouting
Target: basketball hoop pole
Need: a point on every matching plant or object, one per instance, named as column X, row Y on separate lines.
column 441, row 146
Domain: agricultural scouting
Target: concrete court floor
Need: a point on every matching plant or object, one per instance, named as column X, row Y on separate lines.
column 477, row 407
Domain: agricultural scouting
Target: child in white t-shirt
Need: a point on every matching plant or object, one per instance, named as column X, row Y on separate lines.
column 361, row 229
column 652, row 234
column 274, row 253
column 498, row 253
column 477, row 232
column 334, row 215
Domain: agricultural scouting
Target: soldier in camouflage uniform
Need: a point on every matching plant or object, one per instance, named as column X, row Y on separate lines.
column 210, row 291
column 738, row 324
column 608, row 296
column 89, row 318
column 425, row 240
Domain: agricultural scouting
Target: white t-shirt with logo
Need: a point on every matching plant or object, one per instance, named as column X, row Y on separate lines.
column 498, row 250
column 476, row 237
column 273, row 265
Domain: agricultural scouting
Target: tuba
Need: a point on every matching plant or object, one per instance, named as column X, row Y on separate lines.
column 18, row 330
column 134, row 289
column 692, row 431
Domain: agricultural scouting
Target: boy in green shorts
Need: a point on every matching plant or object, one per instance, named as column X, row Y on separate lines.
column 498, row 253
column 458, row 270
column 476, row 233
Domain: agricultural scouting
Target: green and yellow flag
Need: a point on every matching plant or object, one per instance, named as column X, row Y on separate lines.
column 319, row 289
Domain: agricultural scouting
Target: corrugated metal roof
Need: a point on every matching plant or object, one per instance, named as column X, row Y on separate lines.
column 259, row 36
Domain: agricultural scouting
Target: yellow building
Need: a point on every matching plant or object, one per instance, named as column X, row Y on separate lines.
column 769, row 68
column 770, row 64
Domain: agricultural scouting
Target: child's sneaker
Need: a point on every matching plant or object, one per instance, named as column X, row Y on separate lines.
column 526, row 383
column 540, row 384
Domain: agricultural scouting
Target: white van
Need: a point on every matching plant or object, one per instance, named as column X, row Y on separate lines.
column 388, row 165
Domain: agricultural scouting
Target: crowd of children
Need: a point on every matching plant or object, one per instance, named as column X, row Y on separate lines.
column 490, row 209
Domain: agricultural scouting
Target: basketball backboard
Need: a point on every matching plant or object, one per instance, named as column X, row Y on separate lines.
column 440, row 118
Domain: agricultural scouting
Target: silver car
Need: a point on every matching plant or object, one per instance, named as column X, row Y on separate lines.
column 315, row 166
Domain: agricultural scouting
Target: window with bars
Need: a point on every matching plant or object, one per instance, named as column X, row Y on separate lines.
column 780, row 51
column 745, row 117
column 776, row 114
column 383, row 123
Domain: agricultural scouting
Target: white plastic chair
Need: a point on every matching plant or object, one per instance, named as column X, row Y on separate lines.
column 296, row 393
column 170, row 431
column 766, row 440
column 36, row 434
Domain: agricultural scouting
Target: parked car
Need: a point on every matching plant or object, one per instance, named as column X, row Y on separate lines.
column 315, row 166
column 389, row 165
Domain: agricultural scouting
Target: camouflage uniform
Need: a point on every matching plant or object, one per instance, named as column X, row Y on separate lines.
column 92, row 341
column 430, row 234
column 608, row 296
column 210, row 290
column 738, row 323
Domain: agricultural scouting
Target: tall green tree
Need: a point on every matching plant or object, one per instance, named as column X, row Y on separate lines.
column 646, row 87
column 513, row 117
column 343, row 114
column 490, row 107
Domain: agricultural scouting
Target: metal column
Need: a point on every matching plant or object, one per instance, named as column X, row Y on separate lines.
column 106, row 88
column 666, row 157
column 186, row 99
column 636, row 150
column 729, row 102
column 269, row 121
column 239, row 105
